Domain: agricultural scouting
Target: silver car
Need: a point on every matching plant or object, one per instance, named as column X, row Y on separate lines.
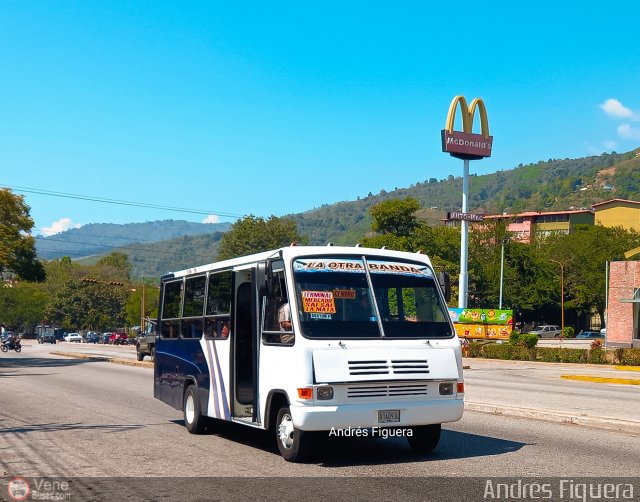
column 547, row 331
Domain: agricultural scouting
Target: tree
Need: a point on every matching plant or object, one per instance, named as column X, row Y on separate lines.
column 395, row 216
column 114, row 267
column 134, row 305
column 17, row 246
column 254, row 234
column 584, row 254
column 82, row 305
column 22, row 305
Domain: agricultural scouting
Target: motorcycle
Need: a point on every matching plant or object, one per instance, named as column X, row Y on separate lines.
column 8, row 345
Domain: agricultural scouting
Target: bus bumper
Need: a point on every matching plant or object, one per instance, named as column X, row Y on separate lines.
column 355, row 416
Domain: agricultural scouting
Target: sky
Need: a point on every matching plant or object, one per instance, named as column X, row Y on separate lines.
column 235, row 108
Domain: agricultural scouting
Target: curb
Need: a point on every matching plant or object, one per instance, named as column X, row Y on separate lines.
column 600, row 379
column 608, row 423
column 627, row 368
column 116, row 360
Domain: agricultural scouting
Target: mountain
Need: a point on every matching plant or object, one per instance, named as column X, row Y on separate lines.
column 158, row 258
column 100, row 238
column 555, row 184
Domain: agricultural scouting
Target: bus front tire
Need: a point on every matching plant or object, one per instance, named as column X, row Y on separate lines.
column 425, row 437
column 193, row 420
column 293, row 443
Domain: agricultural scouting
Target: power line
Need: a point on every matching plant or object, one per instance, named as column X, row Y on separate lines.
column 130, row 248
column 105, row 200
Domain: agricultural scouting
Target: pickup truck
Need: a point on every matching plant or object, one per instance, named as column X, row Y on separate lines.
column 146, row 343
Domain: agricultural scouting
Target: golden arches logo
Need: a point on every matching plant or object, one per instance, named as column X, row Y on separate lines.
column 468, row 113
column 465, row 144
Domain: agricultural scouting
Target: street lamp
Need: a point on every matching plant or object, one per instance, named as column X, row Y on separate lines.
column 561, row 296
column 504, row 241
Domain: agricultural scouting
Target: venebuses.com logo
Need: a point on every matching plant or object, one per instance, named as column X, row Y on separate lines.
column 19, row 489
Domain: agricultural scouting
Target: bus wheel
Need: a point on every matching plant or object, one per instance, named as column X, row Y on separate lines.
column 292, row 442
column 193, row 420
column 425, row 437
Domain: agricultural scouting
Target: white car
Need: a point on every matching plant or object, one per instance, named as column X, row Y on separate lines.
column 73, row 337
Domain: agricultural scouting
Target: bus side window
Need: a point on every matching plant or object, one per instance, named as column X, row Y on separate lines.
column 218, row 307
column 193, row 308
column 171, row 302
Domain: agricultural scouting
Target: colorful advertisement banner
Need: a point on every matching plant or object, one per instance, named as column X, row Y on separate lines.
column 491, row 324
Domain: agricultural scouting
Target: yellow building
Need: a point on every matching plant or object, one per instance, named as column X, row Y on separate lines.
column 618, row 213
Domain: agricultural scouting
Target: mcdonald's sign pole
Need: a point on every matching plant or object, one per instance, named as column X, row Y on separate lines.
column 467, row 146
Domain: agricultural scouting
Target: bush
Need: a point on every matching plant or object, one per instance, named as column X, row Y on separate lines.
column 507, row 351
column 630, row 357
column 548, row 355
column 528, row 340
column 514, row 337
column 573, row 355
column 597, row 356
column 568, row 332
column 475, row 349
column 618, row 355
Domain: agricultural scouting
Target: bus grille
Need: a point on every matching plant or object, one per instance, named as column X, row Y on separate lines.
column 387, row 390
column 386, row 367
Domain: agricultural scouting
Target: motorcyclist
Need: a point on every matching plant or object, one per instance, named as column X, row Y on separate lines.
column 10, row 340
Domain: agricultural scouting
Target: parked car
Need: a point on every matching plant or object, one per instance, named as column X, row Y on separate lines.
column 104, row 338
column 46, row 338
column 547, row 331
column 118, row 338
column 91, row 337
column 590, row 334
column 73, row 337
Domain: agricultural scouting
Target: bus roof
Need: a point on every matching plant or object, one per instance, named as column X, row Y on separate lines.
column 293, row 251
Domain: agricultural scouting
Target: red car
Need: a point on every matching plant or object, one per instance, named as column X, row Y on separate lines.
column 118, row 338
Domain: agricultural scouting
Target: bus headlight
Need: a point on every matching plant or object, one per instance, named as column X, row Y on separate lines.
column 446, row 388
column 324, row 393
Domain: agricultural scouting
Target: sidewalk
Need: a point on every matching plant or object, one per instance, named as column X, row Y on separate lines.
column 548, row 391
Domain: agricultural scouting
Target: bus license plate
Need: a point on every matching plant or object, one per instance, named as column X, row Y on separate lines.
column 388, row 416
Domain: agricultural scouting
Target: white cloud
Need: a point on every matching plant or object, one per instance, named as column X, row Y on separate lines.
column 59, row 226
column 212, row 218
column 627, row 132
column 615, row 108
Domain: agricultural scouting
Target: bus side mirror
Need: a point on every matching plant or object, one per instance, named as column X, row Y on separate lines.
column 444, row 279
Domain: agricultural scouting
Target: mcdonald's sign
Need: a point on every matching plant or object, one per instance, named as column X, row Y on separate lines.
column 465, row 144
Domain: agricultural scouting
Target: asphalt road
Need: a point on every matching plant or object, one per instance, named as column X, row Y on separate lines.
column 62, row 417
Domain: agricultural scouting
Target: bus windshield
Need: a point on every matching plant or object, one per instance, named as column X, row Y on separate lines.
column 368, row 298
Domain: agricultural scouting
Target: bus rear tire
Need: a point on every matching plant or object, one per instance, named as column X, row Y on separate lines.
column 193, row 420
column 293, row 443
column 425, row 437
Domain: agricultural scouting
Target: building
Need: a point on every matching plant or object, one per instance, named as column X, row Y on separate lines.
column 623, row 304
column 618, row 213
column 525, row 226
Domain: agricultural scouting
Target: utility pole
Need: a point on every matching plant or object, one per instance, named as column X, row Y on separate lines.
column 562, row 265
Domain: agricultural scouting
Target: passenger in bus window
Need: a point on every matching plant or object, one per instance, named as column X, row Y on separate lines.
column 284, row 320
column 284, row 317
column 224, row 331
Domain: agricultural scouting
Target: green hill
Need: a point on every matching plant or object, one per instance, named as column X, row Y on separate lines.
column 556, row 184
